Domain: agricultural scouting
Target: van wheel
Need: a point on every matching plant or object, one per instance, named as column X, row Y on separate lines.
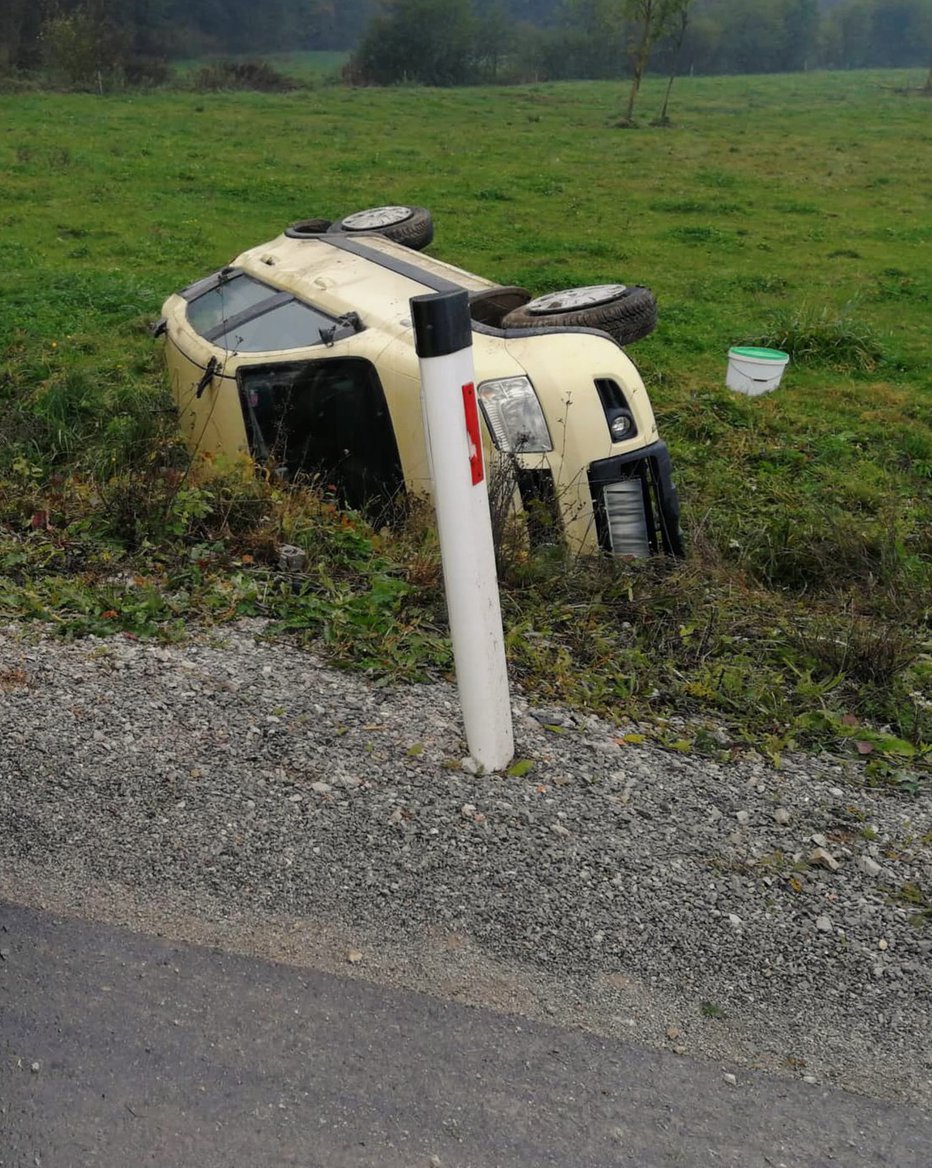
column 412, row 226
column 626, row 312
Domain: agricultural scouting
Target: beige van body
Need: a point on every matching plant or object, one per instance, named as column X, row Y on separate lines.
column 301, row 352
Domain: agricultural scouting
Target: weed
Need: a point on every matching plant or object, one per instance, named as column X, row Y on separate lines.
column 235, row 74
column 717, row 179
column 701, row 234
column 864, row 650
column 917, row 900
column 797, row 207
column 772, row 285
column 820, row 337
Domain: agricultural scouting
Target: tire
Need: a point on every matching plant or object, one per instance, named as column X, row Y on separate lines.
column 302, row 228
column 626, row 312
column 411, row 226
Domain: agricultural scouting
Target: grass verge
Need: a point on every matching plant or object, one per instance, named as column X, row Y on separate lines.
column 786, row 210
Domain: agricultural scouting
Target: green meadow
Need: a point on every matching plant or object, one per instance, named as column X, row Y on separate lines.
column 789, row 210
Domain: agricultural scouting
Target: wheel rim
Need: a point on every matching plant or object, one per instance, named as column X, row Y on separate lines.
column 574, row 299
column 377, row 217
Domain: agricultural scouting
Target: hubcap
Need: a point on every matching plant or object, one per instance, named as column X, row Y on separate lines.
column 377, row 217
column 572, row 299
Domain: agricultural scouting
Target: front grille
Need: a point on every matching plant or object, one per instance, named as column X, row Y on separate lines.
column 634, row 500
column 626, row 509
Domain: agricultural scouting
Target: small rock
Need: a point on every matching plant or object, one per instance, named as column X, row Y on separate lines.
column 468, row 810
column 295, row 798
column 819, row 840
column 781, row 816
column 836, row 792
column 823, row 924
column 35, row 1068
column 291, row 558
column 810, row 1079
column 559, row 829
column 4, row 954
column 731, row 1080
column 470, row 766
column 321, row 788
column 824, row 859
column 673, row 1033
column 354, row 957
column 550, row 717
column 743, row 817
column 868, row 866
column 734, row 920
column 680, row 1049
column 882, row 943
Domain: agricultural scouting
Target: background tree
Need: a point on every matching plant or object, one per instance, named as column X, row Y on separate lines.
column 86, row 46
column 431, row 42
column 20, row 21
column 800, row 19
column 592, row 44
column 650, row 20
column 517, row 39
column 495, row 37
column 679, row 36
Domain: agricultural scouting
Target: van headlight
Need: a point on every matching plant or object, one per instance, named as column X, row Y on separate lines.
column 513, row 415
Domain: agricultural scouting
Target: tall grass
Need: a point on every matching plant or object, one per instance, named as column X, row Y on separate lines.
column 824, row 338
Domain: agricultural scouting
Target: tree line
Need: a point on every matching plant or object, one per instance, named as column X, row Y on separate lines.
column 453, row 42
column 604, row 38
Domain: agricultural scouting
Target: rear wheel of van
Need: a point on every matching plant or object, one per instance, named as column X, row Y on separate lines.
column 412, row 226
column 624, row 311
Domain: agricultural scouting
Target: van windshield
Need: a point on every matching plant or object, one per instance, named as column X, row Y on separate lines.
column 241, row 314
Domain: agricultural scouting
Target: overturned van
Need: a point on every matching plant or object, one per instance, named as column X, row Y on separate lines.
column 300, row 354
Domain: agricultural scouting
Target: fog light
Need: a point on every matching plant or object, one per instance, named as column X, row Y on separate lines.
column 621, row 426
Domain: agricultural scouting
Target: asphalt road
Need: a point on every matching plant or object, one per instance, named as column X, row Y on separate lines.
column 119, row 1050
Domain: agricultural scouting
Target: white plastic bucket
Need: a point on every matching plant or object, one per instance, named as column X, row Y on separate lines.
column 754, row 371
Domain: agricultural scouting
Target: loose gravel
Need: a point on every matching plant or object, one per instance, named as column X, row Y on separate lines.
column 765, row 917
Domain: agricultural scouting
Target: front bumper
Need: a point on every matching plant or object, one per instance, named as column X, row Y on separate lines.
column 634, row 501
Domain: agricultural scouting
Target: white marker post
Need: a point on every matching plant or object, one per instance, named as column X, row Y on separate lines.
column 443, row 339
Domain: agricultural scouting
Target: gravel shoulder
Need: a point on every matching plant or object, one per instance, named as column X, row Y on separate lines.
column 238, row 792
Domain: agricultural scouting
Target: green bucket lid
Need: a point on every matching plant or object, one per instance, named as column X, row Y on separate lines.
column 759, row 354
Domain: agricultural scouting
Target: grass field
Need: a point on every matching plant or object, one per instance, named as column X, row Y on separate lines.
column 794, row 210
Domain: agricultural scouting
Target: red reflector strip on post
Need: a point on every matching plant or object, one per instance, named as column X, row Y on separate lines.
column 471, row 410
